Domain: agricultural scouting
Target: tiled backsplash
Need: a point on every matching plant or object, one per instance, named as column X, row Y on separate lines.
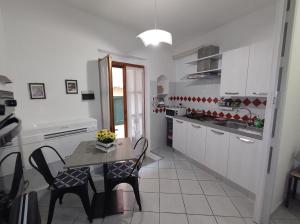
column 210, row 106
column 199, row 96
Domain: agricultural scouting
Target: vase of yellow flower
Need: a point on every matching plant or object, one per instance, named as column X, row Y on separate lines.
column 105, row 138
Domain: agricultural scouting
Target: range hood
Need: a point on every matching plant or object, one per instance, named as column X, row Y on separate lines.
column 207, row 63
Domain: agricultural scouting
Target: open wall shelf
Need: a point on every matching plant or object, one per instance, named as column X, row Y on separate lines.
column 212, row 57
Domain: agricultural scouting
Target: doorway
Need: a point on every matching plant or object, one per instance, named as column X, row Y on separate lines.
column 122, row 91
column 119, row 100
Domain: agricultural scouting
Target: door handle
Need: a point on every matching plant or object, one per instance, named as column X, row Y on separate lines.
column 180, row 122
column 231, row 93
column 196, row 126
column 270, row 160
column 245, row 140
column 218, row 132
column 260, row 94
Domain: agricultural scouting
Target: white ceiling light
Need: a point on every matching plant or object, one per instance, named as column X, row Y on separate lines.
column 155, row 36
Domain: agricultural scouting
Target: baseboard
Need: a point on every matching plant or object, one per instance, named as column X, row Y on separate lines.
column 153, row 156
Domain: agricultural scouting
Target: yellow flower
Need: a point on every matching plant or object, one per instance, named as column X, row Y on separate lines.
column 105, row 135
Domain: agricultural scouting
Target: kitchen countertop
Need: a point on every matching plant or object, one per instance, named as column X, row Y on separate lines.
column 212, row 124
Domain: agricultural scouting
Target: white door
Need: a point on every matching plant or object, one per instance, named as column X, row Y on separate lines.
column 234, row 72
column 259, row 71
column 135, row 102
column 179, row 135
column 243, row 162
column 216, row 156
column 196, row 142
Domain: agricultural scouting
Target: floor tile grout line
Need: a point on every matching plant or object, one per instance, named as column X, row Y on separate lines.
column 233, row 203
column 180, row 193
column 158, row 195
column 198, row 182
column 212, row 212
column 186, row 212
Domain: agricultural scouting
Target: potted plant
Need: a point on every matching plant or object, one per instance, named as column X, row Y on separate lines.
column 105, row 138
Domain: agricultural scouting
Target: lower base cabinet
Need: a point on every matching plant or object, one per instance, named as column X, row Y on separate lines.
column 243, row 162
column 233, row 156
column 217, row 146
column 196, row 139
column 179, row 135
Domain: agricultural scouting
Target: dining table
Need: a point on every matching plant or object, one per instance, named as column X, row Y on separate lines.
column 86, row 154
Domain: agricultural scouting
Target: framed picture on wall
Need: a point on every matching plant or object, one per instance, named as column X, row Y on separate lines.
column 37, row 91
column 71, row 86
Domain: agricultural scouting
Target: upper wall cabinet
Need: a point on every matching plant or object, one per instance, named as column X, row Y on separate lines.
column 259, row 70
column 246, row 71
column 234, row 72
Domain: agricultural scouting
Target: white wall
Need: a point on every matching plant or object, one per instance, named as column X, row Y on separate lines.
column 2, row 46
column 249, row 29
column 240, row 32
column 288, row 118
column 48, row 41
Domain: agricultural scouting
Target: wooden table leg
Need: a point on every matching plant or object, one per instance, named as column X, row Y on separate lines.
column 295, row 187
column 288, row 192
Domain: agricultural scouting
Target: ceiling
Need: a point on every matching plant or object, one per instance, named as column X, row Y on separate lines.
column 183, row 18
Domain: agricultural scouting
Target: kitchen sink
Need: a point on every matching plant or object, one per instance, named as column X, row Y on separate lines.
column 231, row 124
column 239, row 125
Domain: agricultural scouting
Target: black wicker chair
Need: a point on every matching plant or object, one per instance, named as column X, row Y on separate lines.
column 6, row 199
column 125, row 172
column 73, row 180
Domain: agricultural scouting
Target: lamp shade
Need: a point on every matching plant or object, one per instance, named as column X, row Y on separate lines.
column 155, row 36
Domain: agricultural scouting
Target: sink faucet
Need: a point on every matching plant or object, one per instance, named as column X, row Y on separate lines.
column 250, row 115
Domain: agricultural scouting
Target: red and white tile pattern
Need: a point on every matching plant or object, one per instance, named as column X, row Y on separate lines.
column 209, row 105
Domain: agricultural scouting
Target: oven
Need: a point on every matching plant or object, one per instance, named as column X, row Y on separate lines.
column 170, row 113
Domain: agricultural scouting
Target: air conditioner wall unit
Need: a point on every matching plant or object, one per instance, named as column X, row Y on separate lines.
column 64, row 136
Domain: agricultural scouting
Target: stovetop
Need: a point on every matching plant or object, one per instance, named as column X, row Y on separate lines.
column 200, row 117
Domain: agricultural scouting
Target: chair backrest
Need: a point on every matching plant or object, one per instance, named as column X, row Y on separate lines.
column 18, row 174
column 41, row 164
column 144, row 143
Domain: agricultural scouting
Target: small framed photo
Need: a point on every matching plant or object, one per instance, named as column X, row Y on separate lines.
column 37, row 90
column 71, row 86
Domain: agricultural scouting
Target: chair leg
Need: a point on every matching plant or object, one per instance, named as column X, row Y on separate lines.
column 92, row 183
column 288, row 193
column 53, row 199
column 61, row 199
column 135, row 186
column 107, row 186
column 295, row 188
column 84, row 196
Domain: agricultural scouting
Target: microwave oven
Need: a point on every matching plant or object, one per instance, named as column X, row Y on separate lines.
column 175, row 111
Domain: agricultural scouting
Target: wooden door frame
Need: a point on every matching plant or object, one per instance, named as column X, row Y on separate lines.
column 123, row 65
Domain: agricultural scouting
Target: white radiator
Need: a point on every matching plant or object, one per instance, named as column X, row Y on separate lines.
column 63, row 136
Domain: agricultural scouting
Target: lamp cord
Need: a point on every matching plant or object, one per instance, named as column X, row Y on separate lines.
column 155, row 14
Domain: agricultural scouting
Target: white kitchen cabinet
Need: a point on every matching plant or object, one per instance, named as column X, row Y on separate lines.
column 259, row 69
column 179, row 135
column 217, row 146
column 234, row 72
column 243, row 162
column 196, row 142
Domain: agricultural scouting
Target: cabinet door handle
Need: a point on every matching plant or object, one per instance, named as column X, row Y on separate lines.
column 218, row 132
column 260, row 94
column 231, row 93
column 245, row 140
column 180, row 122
column 196, row 126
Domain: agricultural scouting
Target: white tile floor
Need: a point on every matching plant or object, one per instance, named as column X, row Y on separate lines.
column 173, row 191
column 289, row 215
